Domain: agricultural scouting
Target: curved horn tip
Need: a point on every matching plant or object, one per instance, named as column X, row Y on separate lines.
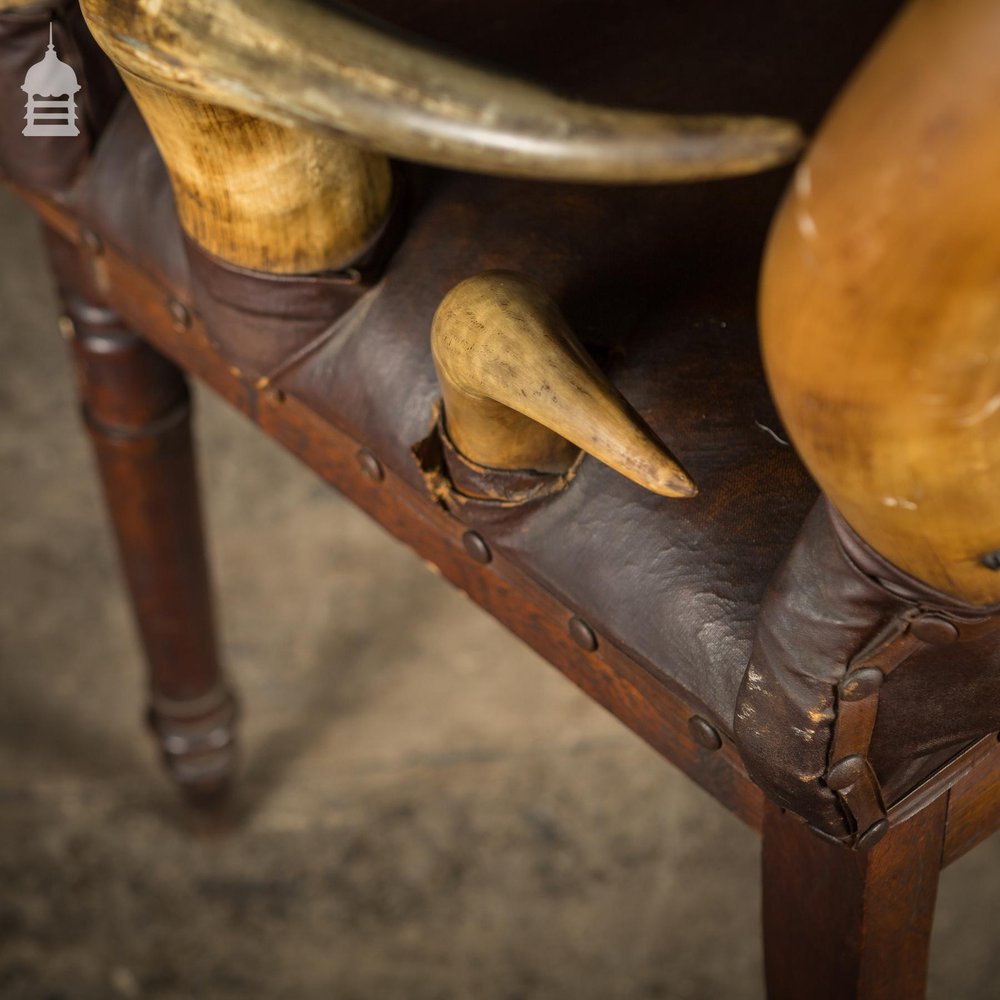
column 680, row 487
column 753, row 144
column 788, row 140
column 667, row 479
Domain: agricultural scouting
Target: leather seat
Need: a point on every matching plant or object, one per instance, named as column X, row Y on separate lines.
column 661, row 279
column 739, row 602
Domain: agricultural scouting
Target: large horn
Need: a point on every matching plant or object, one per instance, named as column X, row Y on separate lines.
column 299, row 64
column 880, row 306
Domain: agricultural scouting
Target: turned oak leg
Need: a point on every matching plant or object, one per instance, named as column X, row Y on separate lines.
column 136, row 408
column 843, row 925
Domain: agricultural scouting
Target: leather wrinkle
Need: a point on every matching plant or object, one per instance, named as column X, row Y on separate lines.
column 824, row 619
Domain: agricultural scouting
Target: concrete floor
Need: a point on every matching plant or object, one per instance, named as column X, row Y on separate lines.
column 426, row 810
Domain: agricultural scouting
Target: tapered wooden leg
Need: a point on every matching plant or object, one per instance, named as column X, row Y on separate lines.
column 840, row 925
column 136, row 407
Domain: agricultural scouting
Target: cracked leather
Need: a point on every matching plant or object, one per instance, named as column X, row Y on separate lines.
column 829, row 599
column 478, row 495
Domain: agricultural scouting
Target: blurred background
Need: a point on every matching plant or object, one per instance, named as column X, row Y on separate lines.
column 425, row 808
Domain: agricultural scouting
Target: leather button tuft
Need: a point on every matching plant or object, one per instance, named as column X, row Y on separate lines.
column 872, row 835
column 179, row 316
column 861, row 684
column 370, row 465
column 91, row 241
column 582, row 634
column 704, row 733
column 476, row 547
column 934, row 629
column 845, row 772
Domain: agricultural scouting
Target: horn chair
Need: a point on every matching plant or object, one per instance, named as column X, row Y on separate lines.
column 520, row 330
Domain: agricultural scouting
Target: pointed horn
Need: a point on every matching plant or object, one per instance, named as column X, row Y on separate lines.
column 518, row 385
column 327, row 68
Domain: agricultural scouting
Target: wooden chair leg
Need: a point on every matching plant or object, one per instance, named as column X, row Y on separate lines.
column 840, row 925
column 136, row 407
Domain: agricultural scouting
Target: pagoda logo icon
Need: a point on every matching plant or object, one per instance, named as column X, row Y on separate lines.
column 51, row 86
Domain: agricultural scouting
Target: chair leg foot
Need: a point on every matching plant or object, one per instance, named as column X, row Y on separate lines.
column 844, row 925
column 197, row 741
column 136, row 407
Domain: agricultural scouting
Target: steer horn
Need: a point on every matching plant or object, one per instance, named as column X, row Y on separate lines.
column 330, row 68
column 880, row 300
column 521, row 392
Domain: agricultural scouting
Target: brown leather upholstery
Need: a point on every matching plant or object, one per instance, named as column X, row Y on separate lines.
column 664, row 278
column 677, row 582
column 832, row 604
column 664, row 281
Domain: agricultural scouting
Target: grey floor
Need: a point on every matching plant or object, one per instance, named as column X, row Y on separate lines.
column 426, row 809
